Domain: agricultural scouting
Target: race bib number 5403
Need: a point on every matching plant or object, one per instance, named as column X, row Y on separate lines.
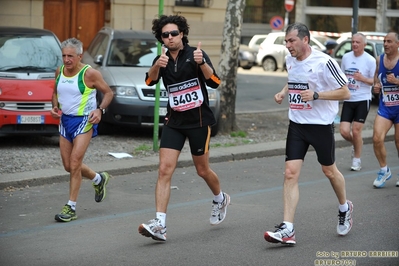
column 185, row 95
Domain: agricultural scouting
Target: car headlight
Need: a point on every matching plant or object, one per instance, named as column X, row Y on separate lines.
column 122, row 91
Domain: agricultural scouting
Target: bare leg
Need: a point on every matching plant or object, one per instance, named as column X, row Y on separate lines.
column 167, row 165
column 291, row 189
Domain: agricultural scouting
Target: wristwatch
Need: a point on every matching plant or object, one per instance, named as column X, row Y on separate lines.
column 315, row 95
column 203, row 62
column 102, row 110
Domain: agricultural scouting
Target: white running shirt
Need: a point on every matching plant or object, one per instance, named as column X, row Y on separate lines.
column 318, row 72
column 366, row 65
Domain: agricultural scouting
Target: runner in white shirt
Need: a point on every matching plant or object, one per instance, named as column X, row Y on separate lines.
column 315, row 85
column 359, row 67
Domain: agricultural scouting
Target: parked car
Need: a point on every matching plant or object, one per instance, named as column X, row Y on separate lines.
column 372, row 35
column 123, row 57
column 256, row 40
column 28, row 60
column 246, row 57
column 272, row 51
column 373, row 47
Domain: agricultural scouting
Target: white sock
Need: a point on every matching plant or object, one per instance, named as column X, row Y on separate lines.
column 344, row 207
column 218, row 198
column 355, row 160
column 290, row 226
column 162, row 217
column 97, row 179
column 72, row 204
column 384, row 169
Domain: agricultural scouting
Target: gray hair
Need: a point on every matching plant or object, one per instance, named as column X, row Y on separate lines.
column 73, row 43
column 360, row 35
column 302, row 30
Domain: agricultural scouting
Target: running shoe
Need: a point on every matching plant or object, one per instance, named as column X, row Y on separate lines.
column 153, row 229
column 281, row 235
column 66, row 215
column 356, row 166
column 381, row 178
column 100, row 189
column 345, row 220
column 219, row 210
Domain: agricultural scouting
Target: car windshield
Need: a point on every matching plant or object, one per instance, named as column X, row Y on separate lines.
column 379, row 48
column 29, row 53
column 132, row 52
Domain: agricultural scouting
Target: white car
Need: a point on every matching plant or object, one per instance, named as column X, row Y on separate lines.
column 256, row 40
column 272, row 51
column 371, row 35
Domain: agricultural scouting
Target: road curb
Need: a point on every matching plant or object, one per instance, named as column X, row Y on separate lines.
column 139, row 165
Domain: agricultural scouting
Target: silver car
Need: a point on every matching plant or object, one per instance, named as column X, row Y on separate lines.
column 123, row 57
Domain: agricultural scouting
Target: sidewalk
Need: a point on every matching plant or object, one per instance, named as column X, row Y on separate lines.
column 137, row 165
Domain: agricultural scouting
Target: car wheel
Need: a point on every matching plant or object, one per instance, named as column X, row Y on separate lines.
column 247, row 67
column 269, row 64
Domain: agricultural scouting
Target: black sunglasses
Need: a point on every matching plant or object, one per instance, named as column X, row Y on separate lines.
column 174, row 33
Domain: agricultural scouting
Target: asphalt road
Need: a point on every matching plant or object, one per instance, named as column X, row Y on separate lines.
column 256, row 89
column 106, row 233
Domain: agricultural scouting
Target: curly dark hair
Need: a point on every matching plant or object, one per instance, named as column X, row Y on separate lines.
column 180, row 21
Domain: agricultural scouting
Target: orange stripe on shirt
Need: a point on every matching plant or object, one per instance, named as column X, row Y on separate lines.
column 215, row 79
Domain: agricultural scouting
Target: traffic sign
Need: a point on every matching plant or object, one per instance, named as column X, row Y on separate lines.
column 289, row 5
column 277, row 23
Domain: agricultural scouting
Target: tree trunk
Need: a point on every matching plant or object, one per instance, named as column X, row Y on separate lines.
column 227, row 69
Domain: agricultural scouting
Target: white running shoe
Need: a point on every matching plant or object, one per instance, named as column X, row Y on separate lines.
column 219, row 210
column 381, row 178
column 281, row 235
column 345, row 220
column 153, row 229
column 356, row 166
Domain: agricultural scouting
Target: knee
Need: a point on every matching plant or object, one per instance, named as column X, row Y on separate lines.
column 204, row 172
column 290, row 176
column 165, row 170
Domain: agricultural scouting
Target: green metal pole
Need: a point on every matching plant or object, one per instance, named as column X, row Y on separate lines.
column 155, row 145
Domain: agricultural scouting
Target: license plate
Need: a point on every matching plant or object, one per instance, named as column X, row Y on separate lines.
column 30, row 119
column 162, row 111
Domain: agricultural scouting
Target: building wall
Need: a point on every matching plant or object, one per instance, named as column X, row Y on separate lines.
column 23, row 13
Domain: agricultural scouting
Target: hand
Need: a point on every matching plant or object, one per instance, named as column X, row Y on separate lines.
column 391, row 78
column 278, row 97
column 163, row 58
column 307, row 95
column 198, row 56
column 358, row 76
column 55, row 112
column 95, row 116
column 377, row 87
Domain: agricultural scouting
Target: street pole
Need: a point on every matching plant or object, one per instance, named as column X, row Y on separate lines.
column 355, row 16
column 155, row 146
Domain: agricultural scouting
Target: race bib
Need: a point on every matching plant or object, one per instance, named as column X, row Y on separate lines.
column 295, row 100
column 352, row 84
column 185, row 95
column 390, row 95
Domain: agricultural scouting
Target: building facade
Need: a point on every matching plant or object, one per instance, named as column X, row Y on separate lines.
column 83, row 18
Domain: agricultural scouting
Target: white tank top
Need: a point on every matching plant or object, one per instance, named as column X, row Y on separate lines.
column 74, row 96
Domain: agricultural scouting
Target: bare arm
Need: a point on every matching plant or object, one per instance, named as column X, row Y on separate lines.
column 54, row 100
column 278, row 97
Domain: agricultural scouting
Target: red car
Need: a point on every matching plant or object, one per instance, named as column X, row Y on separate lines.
column 28, row 60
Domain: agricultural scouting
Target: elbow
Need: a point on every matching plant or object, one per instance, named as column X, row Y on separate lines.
column 347, row 94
